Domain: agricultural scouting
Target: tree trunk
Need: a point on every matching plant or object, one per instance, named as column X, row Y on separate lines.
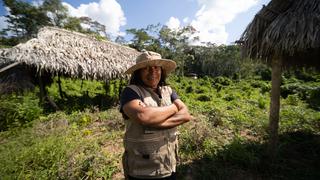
column 274, row 107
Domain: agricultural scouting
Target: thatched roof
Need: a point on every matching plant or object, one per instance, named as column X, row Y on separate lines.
column 284, row 28
column 59, row 51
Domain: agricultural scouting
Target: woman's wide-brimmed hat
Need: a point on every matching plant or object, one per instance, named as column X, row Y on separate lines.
column 149, row 58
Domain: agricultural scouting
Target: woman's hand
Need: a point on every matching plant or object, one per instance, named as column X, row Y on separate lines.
column 149, row 116
column 181, row 117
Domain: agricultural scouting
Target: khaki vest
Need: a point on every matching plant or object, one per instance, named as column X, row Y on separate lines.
column 150, row 152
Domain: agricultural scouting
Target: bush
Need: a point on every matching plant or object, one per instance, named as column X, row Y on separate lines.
column 314, row 98
column 222, row 80
column 204, row 98
column 189, row 89
column 62, row 146
column 292, row 100
column 262, row 103
column 240, row 153
column 229, row 97
column 17, row 110
column 215, row 117
column 264, row 86
column 264, row 71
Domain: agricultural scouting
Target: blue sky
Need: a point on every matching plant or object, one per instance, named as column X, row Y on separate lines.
column 217, row 21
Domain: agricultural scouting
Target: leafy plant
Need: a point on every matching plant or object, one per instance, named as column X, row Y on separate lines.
column 17, row 110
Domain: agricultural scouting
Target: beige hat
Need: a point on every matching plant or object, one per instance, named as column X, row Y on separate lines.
column 149, row 58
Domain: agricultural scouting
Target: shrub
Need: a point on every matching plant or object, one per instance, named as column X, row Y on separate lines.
column 294, row 88
column 189, row 89
column 229, row 98
column 314, row 98
column 292, row 99
column 262, row 103
column 242, row 153
column 264, row 86
column 222, row 80
column 200, row 91
column 17, row 110
column 215, row 116
column 264, row 71
column 204, row 98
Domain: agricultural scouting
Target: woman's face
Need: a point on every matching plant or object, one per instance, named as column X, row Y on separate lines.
column 151, row 76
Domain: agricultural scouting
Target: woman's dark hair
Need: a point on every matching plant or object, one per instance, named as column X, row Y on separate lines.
column 136, row 79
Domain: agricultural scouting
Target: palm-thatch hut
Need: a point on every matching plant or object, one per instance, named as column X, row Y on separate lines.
column 61, row 52
column 285, row 32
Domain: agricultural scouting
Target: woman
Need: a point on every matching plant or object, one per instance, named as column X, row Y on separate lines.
column 152, row 111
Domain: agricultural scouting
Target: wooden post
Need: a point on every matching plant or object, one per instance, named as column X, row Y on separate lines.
column 274, row 106
column 120, row 88
column 44, row 95
column 60, row 88
column 107, row 87
column 42, row 89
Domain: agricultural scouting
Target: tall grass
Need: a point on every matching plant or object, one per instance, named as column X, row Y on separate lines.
column 227, row 139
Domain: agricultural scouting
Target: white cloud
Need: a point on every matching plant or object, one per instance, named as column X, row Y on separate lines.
column 173, row 23
column 211, row 19
column 3, row 23
column 185, row 20
column 106, row 12
column 37, row 3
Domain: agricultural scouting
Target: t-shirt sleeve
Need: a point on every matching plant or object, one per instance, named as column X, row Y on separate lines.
column 174, row 96
column 127, row 95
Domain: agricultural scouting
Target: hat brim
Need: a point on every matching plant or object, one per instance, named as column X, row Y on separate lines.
column 167, row 65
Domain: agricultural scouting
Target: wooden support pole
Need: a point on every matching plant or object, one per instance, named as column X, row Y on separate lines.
column 274, row 107
column 9, row 66
column 107, row 87
column 44, row 95
column 60, row 88
column 42, row 89
column 120, row 88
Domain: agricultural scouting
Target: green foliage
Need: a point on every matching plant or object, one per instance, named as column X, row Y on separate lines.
column 240, row 154
column 17, row 110
column 189, row 89
column 58, row 12
column 222, row 80
column 293, row 100
column 85, row 94
column 263, row 71
column 25, row 19
column 56, row 148
column 295, row 118
column 264, row 86
column 204, row 98
column 215, row 117
column 141, row 38
column 262, row 103
column 7, row 42
column 305, row 91
column 211, row 60
column 313, row 98
column 226, row 138
column 73, row 23
column 4, row 46
column 221, row 61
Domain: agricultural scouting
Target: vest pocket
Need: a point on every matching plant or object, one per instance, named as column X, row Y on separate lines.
column 148, row 159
